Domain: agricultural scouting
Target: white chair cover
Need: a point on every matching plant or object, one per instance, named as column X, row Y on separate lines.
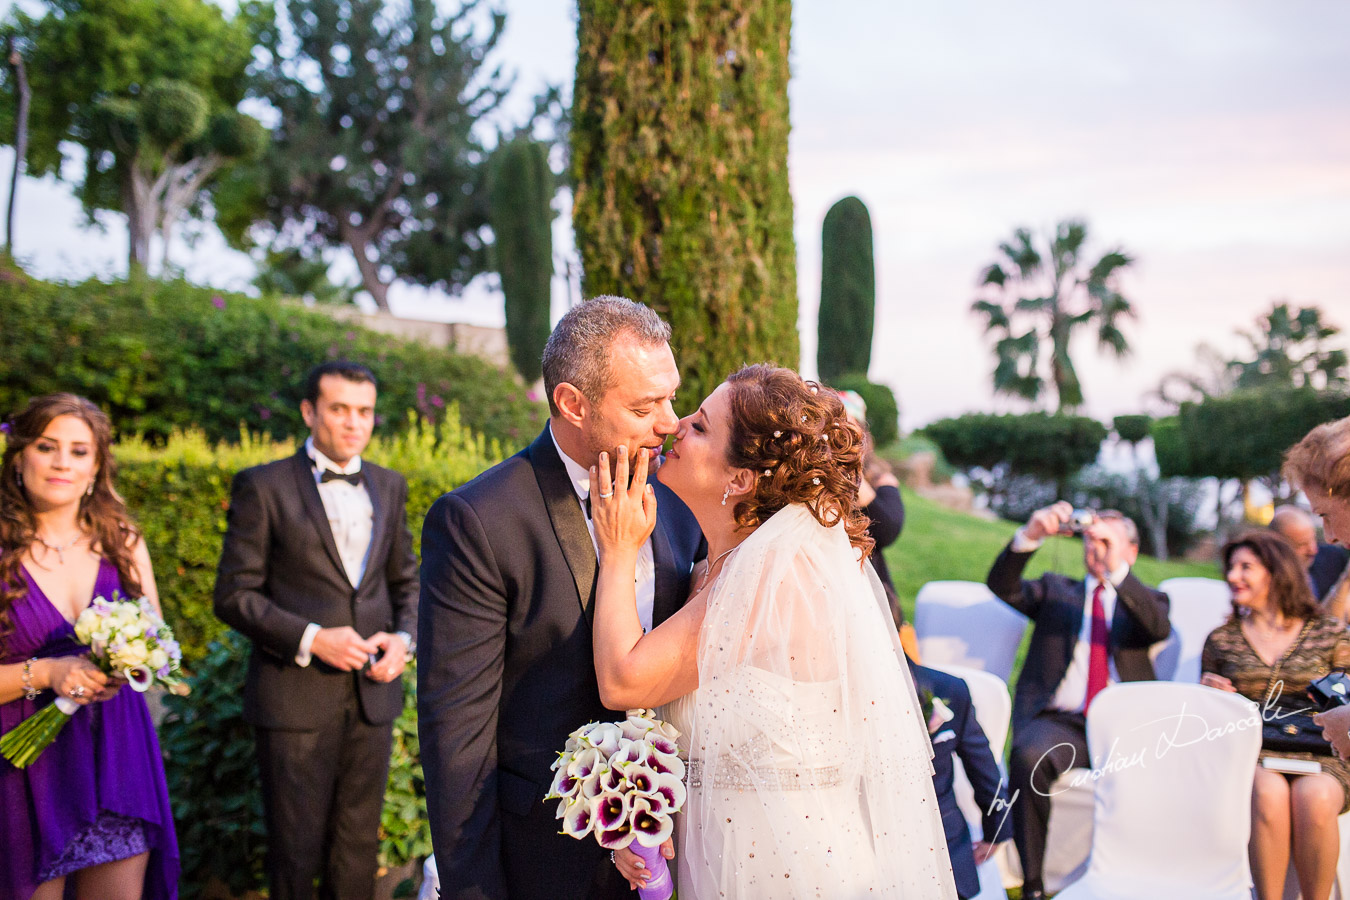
column 1199, row 605
column 962, row 623
column 993, row 710
column 431, row 881
column 1173, row 766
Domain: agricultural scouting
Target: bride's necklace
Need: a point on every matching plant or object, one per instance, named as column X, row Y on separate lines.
column 708, row 571
column 60, row 549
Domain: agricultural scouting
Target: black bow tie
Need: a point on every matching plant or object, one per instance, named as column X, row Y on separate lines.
column 353, row 478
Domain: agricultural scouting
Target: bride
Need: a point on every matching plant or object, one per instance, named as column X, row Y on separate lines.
column 809, row 766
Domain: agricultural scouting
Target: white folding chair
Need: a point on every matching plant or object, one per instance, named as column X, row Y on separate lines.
column 1173, row 767
column 431, row 881
column 1199, row 605
column 962, row 623
column 993, row 710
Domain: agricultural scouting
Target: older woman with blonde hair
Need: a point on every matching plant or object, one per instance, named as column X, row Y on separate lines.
column 1319, row 465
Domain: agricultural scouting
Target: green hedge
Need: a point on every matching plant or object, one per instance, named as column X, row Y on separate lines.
column 1039, row 444
column 160, row 356
column 179, row 493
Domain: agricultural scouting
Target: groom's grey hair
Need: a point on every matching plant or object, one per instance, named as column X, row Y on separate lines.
column 579, row 348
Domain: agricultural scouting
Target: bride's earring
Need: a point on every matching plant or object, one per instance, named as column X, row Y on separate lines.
column 725, row 495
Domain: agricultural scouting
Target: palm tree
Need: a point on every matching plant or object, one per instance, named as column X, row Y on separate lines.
column 1033, row 298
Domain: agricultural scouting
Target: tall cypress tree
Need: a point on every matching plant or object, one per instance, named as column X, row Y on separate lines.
column 520, row 189
column 847, row 291
column 679, row 152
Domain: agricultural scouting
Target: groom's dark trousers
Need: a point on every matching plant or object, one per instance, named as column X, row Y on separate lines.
column 506, row 673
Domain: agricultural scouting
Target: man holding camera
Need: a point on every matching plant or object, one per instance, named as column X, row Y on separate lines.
column 1087, row 633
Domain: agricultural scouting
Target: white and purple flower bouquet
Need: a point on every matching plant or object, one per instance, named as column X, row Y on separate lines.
column 623, row 782
column 126, row 638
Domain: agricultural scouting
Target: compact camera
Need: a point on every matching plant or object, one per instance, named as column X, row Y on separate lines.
column 1079, row 522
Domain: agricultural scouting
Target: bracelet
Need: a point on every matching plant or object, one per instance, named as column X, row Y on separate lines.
column 30, row 693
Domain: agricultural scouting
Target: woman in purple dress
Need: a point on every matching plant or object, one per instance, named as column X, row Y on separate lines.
column 93, row 809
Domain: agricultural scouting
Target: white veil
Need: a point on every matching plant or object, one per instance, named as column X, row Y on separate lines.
column 810, row 763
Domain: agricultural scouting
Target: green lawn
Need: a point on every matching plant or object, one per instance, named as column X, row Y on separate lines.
column 941, row 544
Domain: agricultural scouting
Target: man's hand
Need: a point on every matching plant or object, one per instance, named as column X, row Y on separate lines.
column 393, row 661
column 342, row 648
column 1105, row 548
column 632, row 868
column 1336, row 728
column 1218, row 682
column 1048, row 521
column 983, row 850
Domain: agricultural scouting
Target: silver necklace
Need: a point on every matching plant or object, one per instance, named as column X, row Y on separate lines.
column 60, row 549
column 708, row 571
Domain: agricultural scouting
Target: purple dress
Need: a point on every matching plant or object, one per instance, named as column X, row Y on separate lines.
column 95, row 795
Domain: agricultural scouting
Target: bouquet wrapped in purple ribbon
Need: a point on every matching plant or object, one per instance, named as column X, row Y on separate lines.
column 125, row 638
column 623, row 782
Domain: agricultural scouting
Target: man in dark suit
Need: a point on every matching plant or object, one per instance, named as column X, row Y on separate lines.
column 1088, row 633
column 508, row 586
column 961, row 737
column 1325, row 562
column 318, row 571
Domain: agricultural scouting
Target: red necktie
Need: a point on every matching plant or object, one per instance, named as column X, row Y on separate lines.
column 1098, row 666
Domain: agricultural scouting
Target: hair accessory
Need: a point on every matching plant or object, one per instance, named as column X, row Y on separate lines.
column 767, row 473
column 815, row 481
column 778, row 434
column 803, row 420
column 814, row 389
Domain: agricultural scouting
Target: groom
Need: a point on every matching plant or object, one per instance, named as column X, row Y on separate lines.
column 508, row 585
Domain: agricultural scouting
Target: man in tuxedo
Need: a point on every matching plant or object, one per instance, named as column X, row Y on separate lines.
column 318, row 571
column 1087, row 633
column 1325, row 562
column 961, row 737
column 508, row 587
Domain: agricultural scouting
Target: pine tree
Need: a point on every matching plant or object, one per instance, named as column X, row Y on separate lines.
column 679, row 154
column 847, row 291
column 520, row 189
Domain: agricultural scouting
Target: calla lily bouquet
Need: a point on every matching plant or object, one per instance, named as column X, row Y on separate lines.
column 623, row 782
column 126, row 638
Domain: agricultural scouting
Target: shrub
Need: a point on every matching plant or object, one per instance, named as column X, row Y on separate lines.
column 160, row 356
column 1244, row 434
column 847, row 291
column 679, row 156
column 883, row 413
column 1040, row 444
column 1132, row 429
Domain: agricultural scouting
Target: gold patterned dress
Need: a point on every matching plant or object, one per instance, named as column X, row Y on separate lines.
column 1326, row 646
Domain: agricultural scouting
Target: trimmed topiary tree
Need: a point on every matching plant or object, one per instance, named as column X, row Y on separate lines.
column 848, row 291
column 679, row 152
column 520, row 188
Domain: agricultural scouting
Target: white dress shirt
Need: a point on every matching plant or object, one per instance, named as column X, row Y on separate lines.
column 644, row 579
column 351, row 518
column 1071, row 695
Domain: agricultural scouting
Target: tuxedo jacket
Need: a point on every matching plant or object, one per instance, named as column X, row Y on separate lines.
column 280, row 570
column 1327, row 567
column 506, row 671
column 1055, row 604
column 963, row 739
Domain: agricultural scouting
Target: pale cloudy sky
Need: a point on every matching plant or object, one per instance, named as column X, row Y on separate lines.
column 1209, row 139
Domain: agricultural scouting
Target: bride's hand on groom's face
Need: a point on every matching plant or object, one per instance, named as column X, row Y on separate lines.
column 623, row 509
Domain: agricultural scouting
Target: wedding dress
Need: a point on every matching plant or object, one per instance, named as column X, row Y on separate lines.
column 809, row 765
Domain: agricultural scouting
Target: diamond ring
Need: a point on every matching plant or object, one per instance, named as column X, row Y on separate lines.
column 77, row 691
column 606, row 496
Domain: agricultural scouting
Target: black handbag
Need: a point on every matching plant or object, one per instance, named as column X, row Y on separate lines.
column 1290, row 729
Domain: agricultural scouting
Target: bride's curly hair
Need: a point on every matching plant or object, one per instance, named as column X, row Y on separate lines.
column 103, row 514
column 797, row 438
